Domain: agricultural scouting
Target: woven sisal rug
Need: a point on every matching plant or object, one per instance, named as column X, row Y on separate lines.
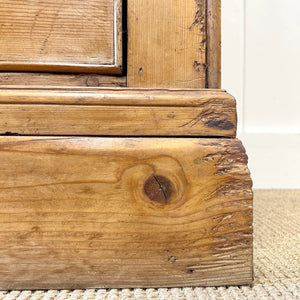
column 276, row 261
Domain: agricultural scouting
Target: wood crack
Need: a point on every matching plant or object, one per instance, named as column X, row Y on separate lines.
column 161, row 188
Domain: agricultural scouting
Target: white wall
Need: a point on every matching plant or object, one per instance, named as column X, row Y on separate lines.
column 260, row 67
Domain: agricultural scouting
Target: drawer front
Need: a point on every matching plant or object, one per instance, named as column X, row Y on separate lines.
column 61, row 36
column 124, row 212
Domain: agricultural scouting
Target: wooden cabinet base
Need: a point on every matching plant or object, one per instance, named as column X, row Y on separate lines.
column 117, row 112
column 124, row 212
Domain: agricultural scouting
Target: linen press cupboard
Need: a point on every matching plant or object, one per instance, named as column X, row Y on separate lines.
column 119, row 162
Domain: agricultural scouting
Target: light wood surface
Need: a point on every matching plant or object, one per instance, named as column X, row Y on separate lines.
column 132, row 112
column 97, row 120
column 142, row 203
column 213, row 73
column 51, row 80
column 114, row 96
column 166, row 43
column 61, row 36
column 124, row 212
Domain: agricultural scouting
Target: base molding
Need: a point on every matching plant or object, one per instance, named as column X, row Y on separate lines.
column 116, row 112
column 124, row 212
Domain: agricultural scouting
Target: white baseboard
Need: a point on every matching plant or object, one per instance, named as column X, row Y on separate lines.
column 274, row 159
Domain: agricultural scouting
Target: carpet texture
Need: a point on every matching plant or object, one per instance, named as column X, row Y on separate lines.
column 276, row 261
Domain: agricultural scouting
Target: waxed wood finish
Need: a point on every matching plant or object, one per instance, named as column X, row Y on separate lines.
column 213, row 30
column 124, row 212
column 161, row 195
column 61, row 36
column 51, row 80
column 131, row 112
column 167, row 43
column 114, row 96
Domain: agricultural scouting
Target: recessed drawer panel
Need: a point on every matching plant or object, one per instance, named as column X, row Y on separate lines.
column 61, row 36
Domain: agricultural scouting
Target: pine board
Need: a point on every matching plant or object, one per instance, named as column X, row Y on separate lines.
column 124, row 212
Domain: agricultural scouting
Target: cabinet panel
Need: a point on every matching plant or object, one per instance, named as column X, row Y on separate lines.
column 174, row 43
column 167, row 43
column 61, row 36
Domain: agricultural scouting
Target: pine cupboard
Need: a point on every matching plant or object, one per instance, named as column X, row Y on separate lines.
column 120, row 166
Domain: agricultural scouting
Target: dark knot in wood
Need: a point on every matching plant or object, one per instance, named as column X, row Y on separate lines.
column 158, row 188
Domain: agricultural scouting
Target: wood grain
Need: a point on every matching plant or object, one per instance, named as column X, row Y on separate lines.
column 116, row 112
column 213, row 72
column 114, row 96
column 60, row 36
column 50, row 80
column 124, row 212
column 166, row 43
